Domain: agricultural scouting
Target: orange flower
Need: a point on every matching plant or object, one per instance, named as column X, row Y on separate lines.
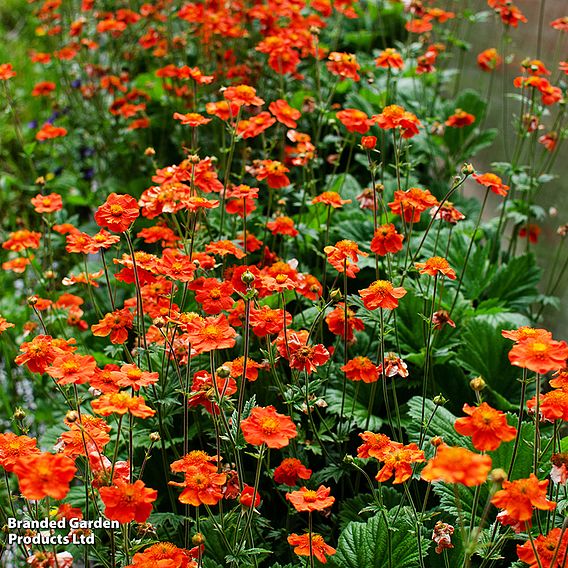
column 6, row 71
column 344, row 257
column 539, row 355
column 44, row 475
column 354, row 120
column 247, row 494
column 374, row 445
column 192, row 119
column 47, row 203
column 162, row 555
column 255, row 125
column 48, row 132
column 212, row 333
column 381, row 294
column 398, row 460
column 89, row 435
column 214, row 296
column 272, row 171
column 71, row 368
column 336, row 322
column 457, row 465
column 195, row 458
column 117, row 213
column 394, row 116
column 344, row 65
column 487, row 427
column 13, row 447
column 115, row 324
column 526, row 332
column 389, row 59
column 40, row 352
column 224, row 248
column 201, row 486
column 492, row 182
column 386, row 239
column 521, row 496
column 284, row 113
column 552, row 405
column 128, row 502
column 121, row 403
column 419, row 25
column 267, row 321
column 319, row 548
column 331, row 198
column 242, row 95
column 266, row 426
column 436, row 265
column 541, row 551
column 282, row 225
column 361, row 369
column 460, row 119
column 5, row 324
column 290, row 470
column 43, row 88
column 306, row 357
column 412, row 203
column 308, row 500
column 22, row 240
column 176, row 266
column 132, row 376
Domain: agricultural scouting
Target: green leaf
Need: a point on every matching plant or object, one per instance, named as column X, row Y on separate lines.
column 366, row 545
column 441, row 423
column 360, row 414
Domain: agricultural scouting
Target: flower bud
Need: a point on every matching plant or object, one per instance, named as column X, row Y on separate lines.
column 477, row 384
column 437, row 441
column 197, row 539
column 149, row 151
column 40, row 180
column 72, row 416
column 247, row 277
column 369, row 142
column 467, row 169
column 155, row 437
column 498, row 475
column 223, row 372
column 335, row 295
column 440, row 400
column 32, row 301
column 19, row 414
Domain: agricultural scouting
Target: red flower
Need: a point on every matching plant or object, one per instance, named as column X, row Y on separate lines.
column 395, row 116
column 308, row 500
column 290, row 470
column 47, row 203
column 192, row 119
column 282, row 225
column 543, row 549
column 344, row 257
column 398, row 460
column 344, row 65
column 489, row 59
column 412, row 203
column 44, row 475
column 492, row 182
column 117, row 213
column 266, row 426
column 389, row 59
column 487, row 427
column 211, row 334
column 460, row 119
column 247, row 495
column 48, row 132
column 115, row 324
column 128, row 502
column 381, row 294
column 435, row 266
column 521, row 496
column 70, row 368
column 539, row 355
column 318, row 547
column 202, row 486
column 354, row 120
column 361, row 369
column 284, row 113
column 336, row 322
column 453, row 464
column 386, row 239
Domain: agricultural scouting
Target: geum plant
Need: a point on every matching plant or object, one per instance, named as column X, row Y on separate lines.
column 302, row 343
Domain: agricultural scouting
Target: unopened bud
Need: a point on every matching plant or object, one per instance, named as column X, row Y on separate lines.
column 467, row 169
column 477, row 384
column 348, row 459
column 159, row 322
column 247, row 277
column 72, row 416
column 32, row 301
column 197, row 539
column 335, row 295
column 155, row 437
column 40, row 180
column 498, row 475
column 223, row 372
column 193, row 159
column 437, row 441
column 440, row 400
column 149, row 151
column 49, row 274
column 19, row 414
